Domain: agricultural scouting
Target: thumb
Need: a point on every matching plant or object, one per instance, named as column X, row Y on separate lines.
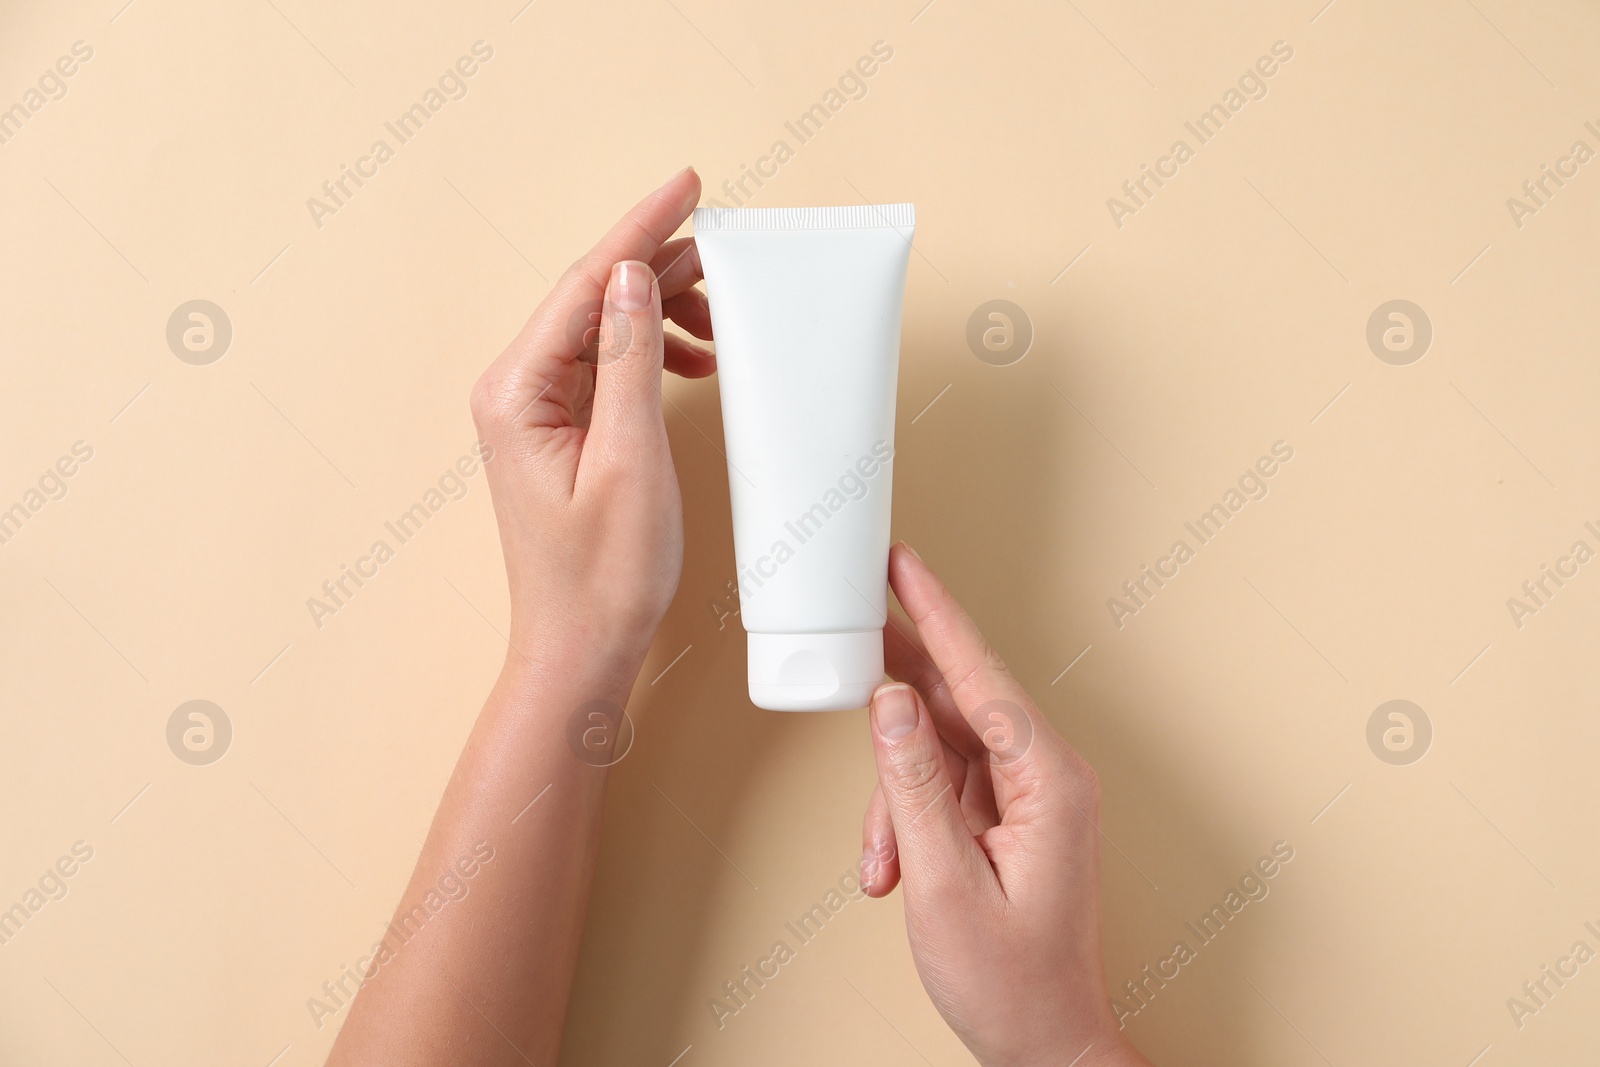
column 627, row 388
column 937, row 851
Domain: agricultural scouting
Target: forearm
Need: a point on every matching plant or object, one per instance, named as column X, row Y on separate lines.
column 484, row 978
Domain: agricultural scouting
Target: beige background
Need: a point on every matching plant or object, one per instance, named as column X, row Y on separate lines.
column 1227, row 314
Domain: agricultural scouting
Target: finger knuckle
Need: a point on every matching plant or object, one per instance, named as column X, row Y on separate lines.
column 1089, row 780
column 493, row 399
column 987, row 664
column 929, row 680
column 478, row 396
column 582, row 266
column 1081, row 781
column 917, row 774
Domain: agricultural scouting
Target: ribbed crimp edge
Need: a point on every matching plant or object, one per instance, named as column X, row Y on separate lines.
column 854, row 217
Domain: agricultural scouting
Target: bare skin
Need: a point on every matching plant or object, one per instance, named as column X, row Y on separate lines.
column 987, row 820
column 995, row 846
column 591, row 524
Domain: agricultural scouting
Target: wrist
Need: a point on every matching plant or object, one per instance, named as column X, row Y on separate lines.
column 559, row 706
column 573, row 659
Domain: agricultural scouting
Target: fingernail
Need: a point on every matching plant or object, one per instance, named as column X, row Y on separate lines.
column 895, row 710
column 690, row 194
column 869, row 863
column 630, row 285
column 913, row 551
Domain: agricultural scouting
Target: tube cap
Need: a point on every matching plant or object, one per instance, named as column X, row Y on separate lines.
column 815, row 672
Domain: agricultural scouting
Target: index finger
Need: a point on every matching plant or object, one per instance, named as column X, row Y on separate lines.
column 547, row 343
column 994, row 705
column 906, row 659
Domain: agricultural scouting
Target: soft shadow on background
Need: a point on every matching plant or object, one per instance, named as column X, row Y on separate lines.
column 1174, row 346
column 683, row 794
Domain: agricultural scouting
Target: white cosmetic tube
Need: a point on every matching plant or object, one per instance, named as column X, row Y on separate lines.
column 805, row 305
